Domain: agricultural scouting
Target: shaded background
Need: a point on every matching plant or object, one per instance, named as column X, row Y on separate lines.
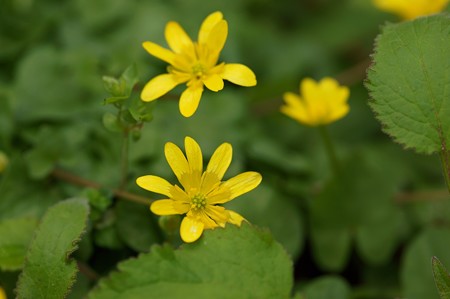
column 370, row 235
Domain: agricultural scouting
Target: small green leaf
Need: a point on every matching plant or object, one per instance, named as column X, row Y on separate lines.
column 416, row 275
column 48, row 271
column 233, row 262
column 15, row 235
column 111, row 122
column 410, row 83
column 130, row 76
column 441, row 278
column 331, row 247
column 115, row 87
column 327, row 287
column 120, row 89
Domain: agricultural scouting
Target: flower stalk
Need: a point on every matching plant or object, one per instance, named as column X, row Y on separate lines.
column 445, row 161
column 124, row 159
column 329, row 147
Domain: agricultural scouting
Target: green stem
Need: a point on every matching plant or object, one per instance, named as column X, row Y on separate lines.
column 445, row 160
column 124, row 159
column 332, row 157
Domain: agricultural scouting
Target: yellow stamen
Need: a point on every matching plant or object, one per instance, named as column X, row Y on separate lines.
column 198, row 202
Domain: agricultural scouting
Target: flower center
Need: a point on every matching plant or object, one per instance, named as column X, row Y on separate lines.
column 198, row 70
column 198, row 202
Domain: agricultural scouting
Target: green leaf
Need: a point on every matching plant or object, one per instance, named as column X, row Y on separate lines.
column 410, row 83
column 135, row 226
column 49, row 272
column 120, row 89
column 345, row 206
column 233, row 262
column 327, row 287
column 331, row 247
column 263, row 207
column 377, row 240
column 111, row 122
column 15, row 235
column 416, row 273
column 441, row 278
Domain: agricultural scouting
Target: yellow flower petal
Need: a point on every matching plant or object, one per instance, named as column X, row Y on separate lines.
column 203, row 217
column 320, row 103
column 239, row 74
column 2, row 293
column 218, row 195
column 220, row 160
column 213, row 82
column 210, row 181
column 293, row 100
column 159, row 52
column 410, row 9
column 191, row 229
column 339, row 112
column 154, row 184
column 309, row 90
column 158, row 86
column 177, row 162
column 178, row 40
column 190, row 98
column 295, row 108
column 218, row 214
column 237, row 186
column 167, row 207
column 207, row 25
column 194, row 155
column 299, row 114
column 217, row 37
column 177, row 194
column 235, row 218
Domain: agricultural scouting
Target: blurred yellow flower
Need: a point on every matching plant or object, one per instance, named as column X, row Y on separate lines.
column 410, row 9
column 3, row 162
column 203, row 192
column 194, row 63
column 2, row 293
column 319, row 103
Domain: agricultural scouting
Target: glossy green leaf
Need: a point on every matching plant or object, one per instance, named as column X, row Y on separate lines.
column 410, row 83
column 233, row 262
column 442, row 278
column 15, row 235
column 49, row 272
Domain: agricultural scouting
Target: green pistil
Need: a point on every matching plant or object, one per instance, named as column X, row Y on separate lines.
column 198, row 202
column 198, row 70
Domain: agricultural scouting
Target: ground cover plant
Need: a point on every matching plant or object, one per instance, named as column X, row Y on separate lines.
column 225, row 149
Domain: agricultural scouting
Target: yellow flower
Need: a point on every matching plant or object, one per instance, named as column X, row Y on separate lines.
column 319, row 103
column 203, row 192
column 2, row 293
column 194, row 63
column 410, row 9
column 3, row 162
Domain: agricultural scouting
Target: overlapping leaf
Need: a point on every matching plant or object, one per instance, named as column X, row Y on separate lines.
column 225, row 263
column 48, row 271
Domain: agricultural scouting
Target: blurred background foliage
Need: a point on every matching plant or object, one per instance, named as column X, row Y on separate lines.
column 369, row 233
